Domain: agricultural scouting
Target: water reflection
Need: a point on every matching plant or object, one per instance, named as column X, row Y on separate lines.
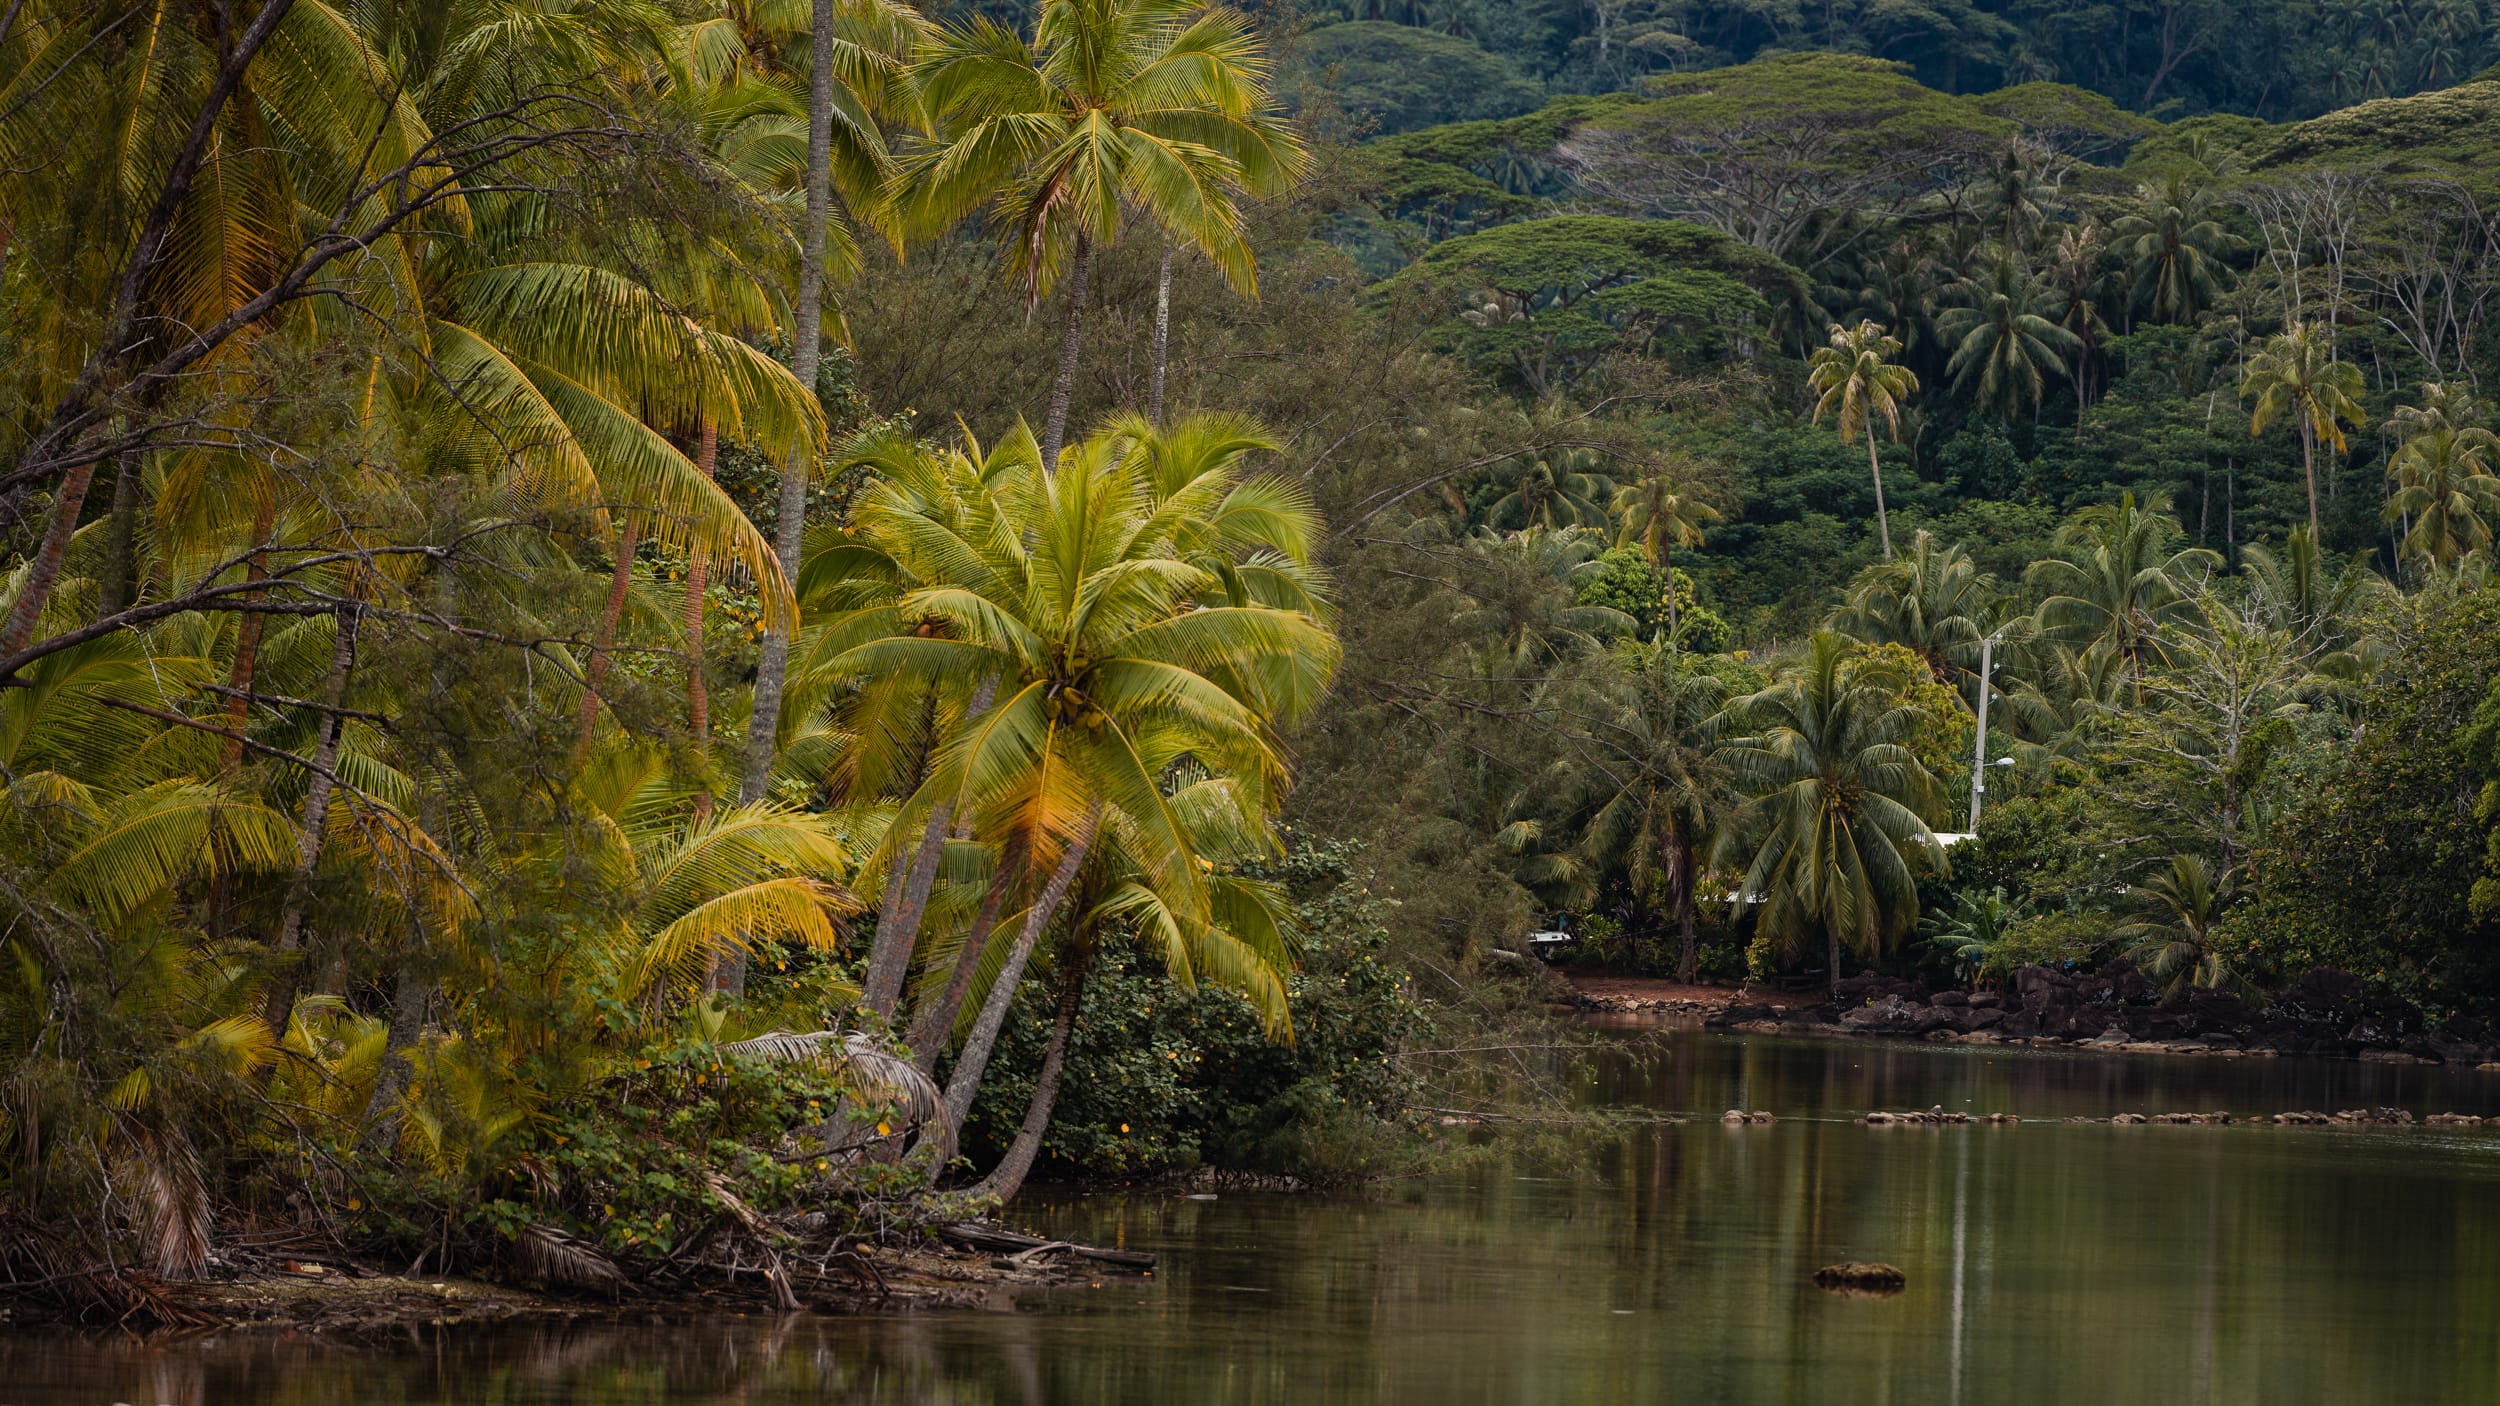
column 2048, row 1263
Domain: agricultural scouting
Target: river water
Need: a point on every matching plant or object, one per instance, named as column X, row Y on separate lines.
column 2048, row 1263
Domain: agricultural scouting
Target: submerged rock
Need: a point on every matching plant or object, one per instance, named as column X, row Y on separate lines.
column 1864, row 1278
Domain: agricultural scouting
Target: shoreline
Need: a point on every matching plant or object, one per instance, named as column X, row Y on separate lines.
column 339, row 1296
column 2056, row 1011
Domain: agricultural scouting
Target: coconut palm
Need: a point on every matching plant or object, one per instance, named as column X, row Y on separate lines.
column 2006, row 349
column 2327, row 609
column 2296, row 374
column 2173, row 248
column 1659, row 515
column 2170, row 926
column 1071, row 592
column 2116, row 582
column 1555, row 491
column 1520, row 591
column 1932, row 601
column 1157, row 107
column 1857, row 381
column 1829, row 834
column 2443, row 467
column 1640, row 784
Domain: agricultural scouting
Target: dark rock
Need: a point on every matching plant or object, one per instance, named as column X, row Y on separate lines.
column 1948, row 998
column 1862, row 1278
column 1984, row 1000
column 1730, row 1015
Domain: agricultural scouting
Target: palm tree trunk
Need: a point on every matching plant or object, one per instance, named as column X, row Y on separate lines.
column 1666, row 563
column 247, row 637
column 698, row 697
column 1071, row 342
column 1883, row 524
column 1831, row 935
column 1005, row 1180
column 316, row 807
column 773, row 668
column 937, row 1016
column 620, row 582
column 2309, row 470
column 898, row 925
column 46, row 571
column 1688, row 960
column 1163, row 336
column 978, row 1045
column 379, row 1127
column 121, row 571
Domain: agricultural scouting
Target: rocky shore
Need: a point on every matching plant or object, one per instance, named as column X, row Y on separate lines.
column 2326, row 1013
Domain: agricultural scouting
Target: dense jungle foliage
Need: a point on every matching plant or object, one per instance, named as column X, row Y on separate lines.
column 631, row 622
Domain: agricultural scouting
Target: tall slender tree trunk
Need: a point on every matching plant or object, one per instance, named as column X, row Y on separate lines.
column 1831, row 936
column 1071, row 344
column 46, row 571
column 247, row 636
column 773, row 669
column 698, row 695
column 317, row 792
column 1163, row 336
column 1688, row 960
column 1666, row 563
column 1007, row 1178
column 983, row 1039
column 898, row 925
column 2309, row 470
column 620, row 582
column 121, row 537
column 937, row 1015
column 1883, row 524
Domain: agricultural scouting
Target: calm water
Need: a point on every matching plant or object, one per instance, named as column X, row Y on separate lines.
column 2048, row 1264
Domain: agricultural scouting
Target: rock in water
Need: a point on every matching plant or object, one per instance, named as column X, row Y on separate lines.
column 1860, row 1278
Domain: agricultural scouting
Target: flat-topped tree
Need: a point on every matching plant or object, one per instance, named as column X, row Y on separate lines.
column 1545, row 300
column 1768, row 151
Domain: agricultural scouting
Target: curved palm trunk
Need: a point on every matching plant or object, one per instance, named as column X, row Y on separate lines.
column 1071, row 343
column 1883, row 524
column 628, row 534
column 247, row 638
column 773, row 668
column 1005, row 1180
column 1163, row 336
column 983, row 1040
column 937, row 1016
column 898, row 925
column 316, row 808
column 46, row 571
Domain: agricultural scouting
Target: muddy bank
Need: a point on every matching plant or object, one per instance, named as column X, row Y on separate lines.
column 333, row 1293
column 2326, row 1013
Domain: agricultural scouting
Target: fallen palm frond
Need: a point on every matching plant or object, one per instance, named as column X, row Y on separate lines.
column 878, row 1075
column 557, row 1257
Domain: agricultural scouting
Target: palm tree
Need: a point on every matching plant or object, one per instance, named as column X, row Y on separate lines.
column 2116, row 584
column 1856, row 379
column 1521, row 603
column 2004, row 350
column 2173, row 248
column 1641, row 785
column 1933, row 602
column 1829, row 835
column 1155, row 106
column 2444, row 471
column 2170, row 929
column 1660, row 515
column 1555, row 491
column 2326, row 610
column 2296, row 374
column 1069, row 591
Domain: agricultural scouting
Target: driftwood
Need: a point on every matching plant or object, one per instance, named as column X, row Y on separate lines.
column 1024, row 1249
